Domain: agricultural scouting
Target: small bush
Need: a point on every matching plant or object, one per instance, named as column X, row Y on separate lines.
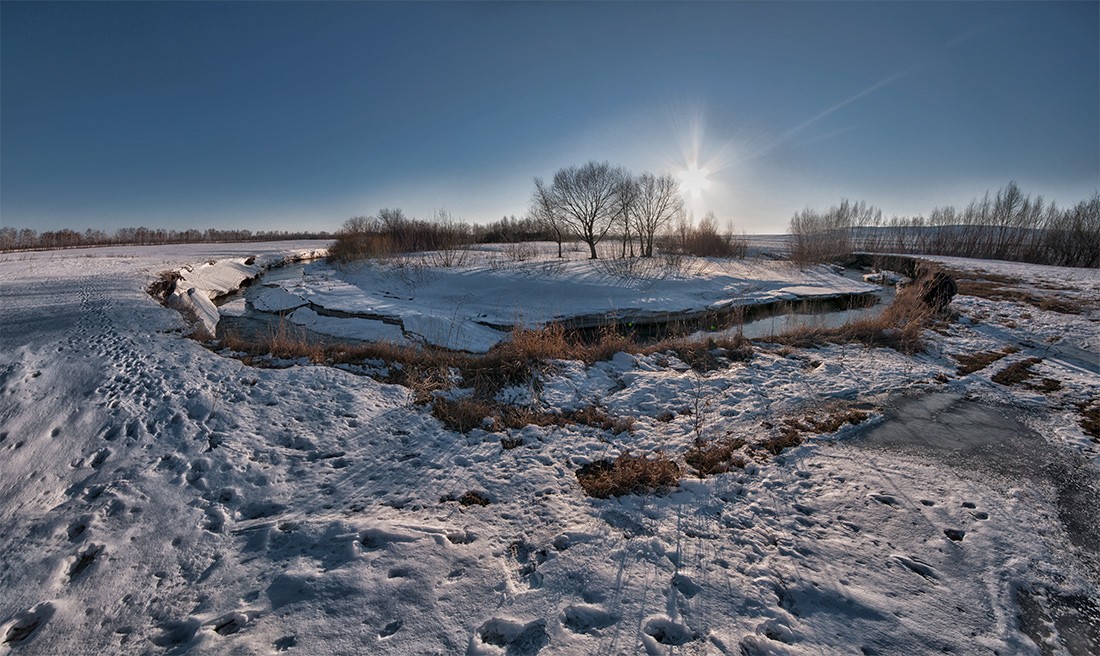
column 715, row 457
column 704, row 240
column 788, row 437
column 474, row 498
column 597, row 418
column 629, row 474
column 463, row 415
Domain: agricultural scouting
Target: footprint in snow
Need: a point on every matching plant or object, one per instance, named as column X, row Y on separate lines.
column 918, row 567
column 517, row 639
column 582, row 618
column 27, row 624
column 666, row 632
column 84, row 560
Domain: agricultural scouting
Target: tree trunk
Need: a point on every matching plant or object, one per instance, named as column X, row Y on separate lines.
column 592, row 247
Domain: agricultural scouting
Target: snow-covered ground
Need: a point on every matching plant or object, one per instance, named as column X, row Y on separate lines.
column 157, row 497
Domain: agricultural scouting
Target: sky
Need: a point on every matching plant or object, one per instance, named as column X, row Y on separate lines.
column 297, row 116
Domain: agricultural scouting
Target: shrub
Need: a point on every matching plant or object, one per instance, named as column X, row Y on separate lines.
column 715, row 457
column 629, row 474
column 391, row 232
column 788, row 437
column 704, row 240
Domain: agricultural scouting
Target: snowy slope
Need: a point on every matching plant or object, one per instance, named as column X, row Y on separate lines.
column 156, row 497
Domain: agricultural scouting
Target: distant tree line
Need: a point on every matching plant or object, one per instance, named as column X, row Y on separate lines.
column 1009, row 225
column 27, row 239
column 588, row 203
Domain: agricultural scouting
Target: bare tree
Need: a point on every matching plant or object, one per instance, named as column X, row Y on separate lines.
column 545, row 212
column 658, row 203
column 585, row 198
column 626, row 197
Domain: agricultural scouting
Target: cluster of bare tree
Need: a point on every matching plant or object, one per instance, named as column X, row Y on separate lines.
column 24, row 239
column 1009, row 225
column 391, row 232
column 512, row 230
column 590, row 201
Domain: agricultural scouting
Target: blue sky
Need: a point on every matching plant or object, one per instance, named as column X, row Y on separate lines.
column 287, row 115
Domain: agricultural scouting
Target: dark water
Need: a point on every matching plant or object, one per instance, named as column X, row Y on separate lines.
column 984, row 440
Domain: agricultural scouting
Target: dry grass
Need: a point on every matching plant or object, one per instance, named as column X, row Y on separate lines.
column 471, row 498
column 968, row 364
column 465, row 414
column 629, row 474
column 787, row 438
column 715, row 457
column 164, row 285
column 790, row 433
column 1007, row 288
column 899, row 327
column 1017, row 372
column 1090, row 419
column 706, row 356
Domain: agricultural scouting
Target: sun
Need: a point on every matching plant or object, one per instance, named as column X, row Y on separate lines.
column 694, row 181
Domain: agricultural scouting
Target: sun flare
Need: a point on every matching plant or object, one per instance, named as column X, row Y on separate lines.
column 694, row 181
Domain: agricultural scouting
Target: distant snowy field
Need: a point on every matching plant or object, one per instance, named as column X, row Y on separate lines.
column 157, row 497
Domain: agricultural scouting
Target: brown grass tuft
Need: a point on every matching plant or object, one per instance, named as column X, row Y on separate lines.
column 715, row 457
column 788, row 437
column 465, row 414
column 900, row 327
column 1017, row 372
column 968, row 364
column 1090, row 419
column 629, row 474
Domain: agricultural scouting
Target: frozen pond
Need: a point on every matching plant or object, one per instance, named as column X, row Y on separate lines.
column 972, row 439
column 754, row 320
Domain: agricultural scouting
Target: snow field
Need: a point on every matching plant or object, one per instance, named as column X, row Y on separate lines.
column 157, row 497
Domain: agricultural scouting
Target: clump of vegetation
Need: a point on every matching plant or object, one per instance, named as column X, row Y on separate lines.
column 704, row 240
column 710, row 457
column 790, row 433
column 164, row 285
column 1021, row 373
column 706, row 356
column 464, row 414
column 968, row 364
column 900, row 327
column 787, row 438
column 1017, row 372
column 629, row 474
column 1007, row 288
column 471, row 498
column 391, row 232
column 1009, row 225
column 1090, row 419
